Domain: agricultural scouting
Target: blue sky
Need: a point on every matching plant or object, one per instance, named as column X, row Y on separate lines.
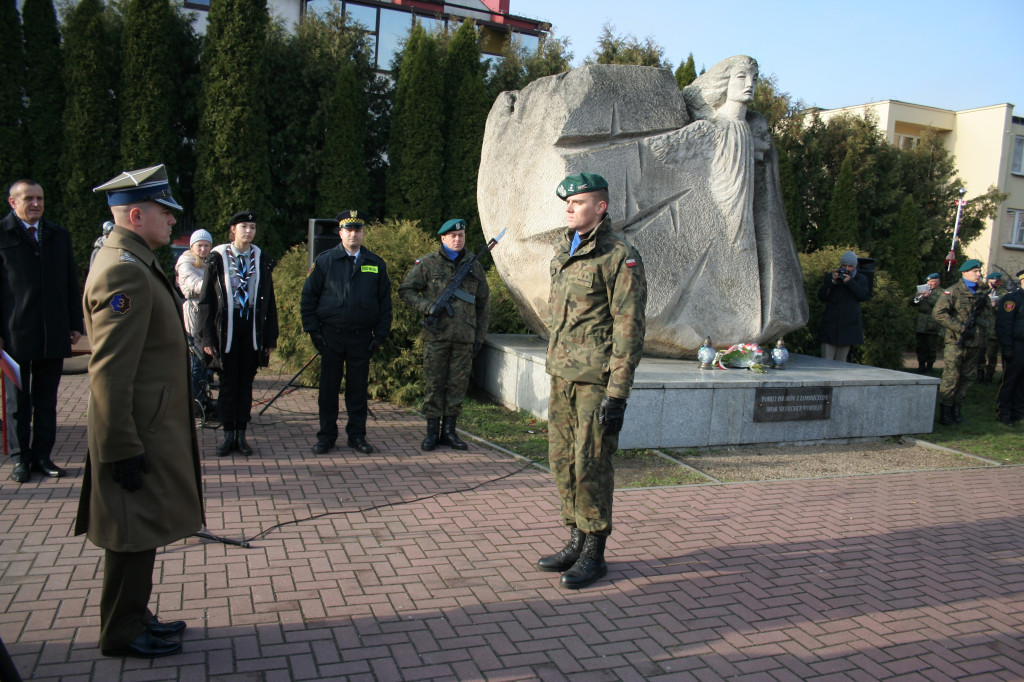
column 829, row 54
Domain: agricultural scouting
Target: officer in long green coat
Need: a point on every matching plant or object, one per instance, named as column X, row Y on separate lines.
column 597, row 324
column 964, row 310
column 449, row 340
column 142, row 487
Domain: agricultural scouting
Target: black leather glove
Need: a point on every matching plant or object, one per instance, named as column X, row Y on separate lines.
column 375, row 343
column 434, row 310
column 611, row 413
column 319, row 342
column 128, row 472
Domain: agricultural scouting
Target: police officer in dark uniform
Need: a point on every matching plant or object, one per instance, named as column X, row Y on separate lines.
column 1010, row 333
column 346, row 309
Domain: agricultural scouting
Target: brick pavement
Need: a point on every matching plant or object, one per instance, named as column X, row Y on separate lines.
column 898, row 577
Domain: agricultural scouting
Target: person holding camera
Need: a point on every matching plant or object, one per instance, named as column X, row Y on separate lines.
column 964, row 310
column 842, row 292
column 237, row 324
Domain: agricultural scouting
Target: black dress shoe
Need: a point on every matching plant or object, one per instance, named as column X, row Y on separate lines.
column 47, row 468
column 145, row 646
column 158, row 629
column 241, row 443
column 322, row 447
column 226, row 445
column 360, row 444
column 21, row 469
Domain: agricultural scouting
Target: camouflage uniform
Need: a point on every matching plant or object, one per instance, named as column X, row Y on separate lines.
column 447, row 352
column 990, row 360
column 597, row 325
column 952, row 311
column 926, row 329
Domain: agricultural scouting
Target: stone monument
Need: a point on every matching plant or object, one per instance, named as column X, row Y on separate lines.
column 694, row 186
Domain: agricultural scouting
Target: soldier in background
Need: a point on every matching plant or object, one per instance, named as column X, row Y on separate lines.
column 926, row 328
column 964, row 310
column 597, row 324
column 450, row 344
column 1010, row 337
column 997, row 288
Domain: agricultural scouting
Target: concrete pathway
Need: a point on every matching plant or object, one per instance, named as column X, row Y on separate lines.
column 403, row 565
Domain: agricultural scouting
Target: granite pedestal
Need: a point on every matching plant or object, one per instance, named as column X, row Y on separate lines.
column 675, row 404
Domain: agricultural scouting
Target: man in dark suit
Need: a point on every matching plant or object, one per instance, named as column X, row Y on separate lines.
column 40, row 319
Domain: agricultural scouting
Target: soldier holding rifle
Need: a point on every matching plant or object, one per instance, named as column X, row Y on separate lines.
column 449, row 287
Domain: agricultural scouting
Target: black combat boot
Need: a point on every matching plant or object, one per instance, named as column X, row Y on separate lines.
column 957, row 417
column 589, row 567
column 228, row 444
column 946, row 415
column 448, row 435
column 567, row 557
column 430, row 442
column 241, row 443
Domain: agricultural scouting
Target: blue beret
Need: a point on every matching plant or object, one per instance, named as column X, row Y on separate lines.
column 453, row 224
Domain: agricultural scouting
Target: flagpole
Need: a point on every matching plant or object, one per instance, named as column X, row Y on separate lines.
column 951, row 258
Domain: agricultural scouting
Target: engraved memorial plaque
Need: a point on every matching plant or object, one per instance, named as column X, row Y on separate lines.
column 804, row 403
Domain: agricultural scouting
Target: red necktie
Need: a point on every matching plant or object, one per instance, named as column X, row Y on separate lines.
column 32, row 232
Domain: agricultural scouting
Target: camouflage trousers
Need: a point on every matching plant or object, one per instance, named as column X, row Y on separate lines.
column 961, row 369
column 580, row 454
column 446, row 368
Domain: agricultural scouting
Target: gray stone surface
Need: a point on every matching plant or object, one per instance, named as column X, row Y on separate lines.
column 675, row 404
column 696, row 190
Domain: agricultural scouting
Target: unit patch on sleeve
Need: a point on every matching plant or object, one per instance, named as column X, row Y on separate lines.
column 121, row 303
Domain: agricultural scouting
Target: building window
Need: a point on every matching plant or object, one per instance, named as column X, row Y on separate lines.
column 1015, row 217
column 203, row 5
column 907, row 141
column 1018, row 155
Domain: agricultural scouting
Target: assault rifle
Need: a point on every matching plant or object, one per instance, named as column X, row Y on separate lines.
column 444, row 301
column 969, row 332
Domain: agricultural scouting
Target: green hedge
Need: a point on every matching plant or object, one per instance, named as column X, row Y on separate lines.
column 396, row 372
column 888, row 320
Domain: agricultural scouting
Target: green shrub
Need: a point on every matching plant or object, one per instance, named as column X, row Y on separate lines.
column 505, row 317
column 396, row 372
column 888, row 320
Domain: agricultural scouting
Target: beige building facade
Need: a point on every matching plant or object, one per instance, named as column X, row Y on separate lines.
column 988, row 146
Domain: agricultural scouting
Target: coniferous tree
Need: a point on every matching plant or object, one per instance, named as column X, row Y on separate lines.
column 906, row 245
column 627, row 49
column 12, row 76
column 416, row 146
column 843, row 228
column 344, row 179
column 44, row 95
column 149, row 85
column 233, row 165
column 90, row 122
column 466, row 108
column 687, row 72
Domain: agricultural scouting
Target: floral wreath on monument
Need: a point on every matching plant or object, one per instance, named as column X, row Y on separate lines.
column 741, row 356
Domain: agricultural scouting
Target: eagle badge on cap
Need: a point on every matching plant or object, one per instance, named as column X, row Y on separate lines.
column 121, row 303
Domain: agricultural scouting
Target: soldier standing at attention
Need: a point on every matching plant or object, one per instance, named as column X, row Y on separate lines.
column 346, row 310
column 964, row 310
column 597, row 325
column 926, row 328
column 1010, row 335
column 142, row 487
column 990, row 358
column 450, row 344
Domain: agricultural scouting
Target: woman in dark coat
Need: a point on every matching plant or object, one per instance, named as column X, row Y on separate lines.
column 237, row 324
column 842, row 293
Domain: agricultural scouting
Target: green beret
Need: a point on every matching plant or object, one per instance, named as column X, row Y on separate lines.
column 970, row 265
column 580, row 184
column 453, row 224
column 934, row 275
column 995, row 275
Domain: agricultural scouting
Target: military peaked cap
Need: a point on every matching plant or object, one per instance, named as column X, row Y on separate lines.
column 134, row 187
